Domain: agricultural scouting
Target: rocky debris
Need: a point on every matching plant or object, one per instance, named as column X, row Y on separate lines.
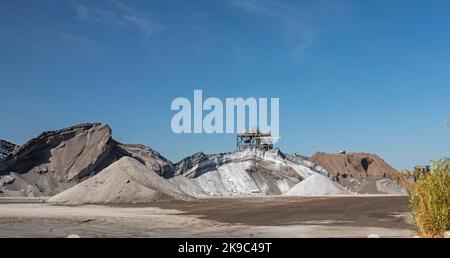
column 126, row 181
column 6, row 148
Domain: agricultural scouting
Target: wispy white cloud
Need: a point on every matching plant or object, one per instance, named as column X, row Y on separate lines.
column 296, row 24
column 116, row 12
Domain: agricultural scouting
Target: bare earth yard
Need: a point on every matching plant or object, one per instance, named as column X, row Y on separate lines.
column 355, row 216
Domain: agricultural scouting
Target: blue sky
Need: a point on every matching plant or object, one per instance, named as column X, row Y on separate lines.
column 370, row 76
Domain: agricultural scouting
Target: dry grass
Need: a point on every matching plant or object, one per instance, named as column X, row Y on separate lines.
column 430, row 198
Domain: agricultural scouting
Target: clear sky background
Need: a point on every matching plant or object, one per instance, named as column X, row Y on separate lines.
column 365, row 76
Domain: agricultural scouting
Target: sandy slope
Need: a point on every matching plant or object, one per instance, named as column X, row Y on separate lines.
column 126, row 181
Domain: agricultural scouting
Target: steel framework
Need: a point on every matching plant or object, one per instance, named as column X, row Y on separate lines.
column 254, row 139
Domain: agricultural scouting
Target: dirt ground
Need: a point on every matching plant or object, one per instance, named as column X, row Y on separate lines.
column 359, row 216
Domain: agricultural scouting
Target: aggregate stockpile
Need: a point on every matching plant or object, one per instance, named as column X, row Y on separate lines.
column 83, row 164
column 126, row 181
column 362, row 173
column 59, row 160
column 252, row 172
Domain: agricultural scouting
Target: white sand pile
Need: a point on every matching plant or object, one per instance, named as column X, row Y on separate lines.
column 126, row 181
column 317, row 184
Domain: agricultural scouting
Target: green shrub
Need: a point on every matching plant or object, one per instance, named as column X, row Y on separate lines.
column 429, row 194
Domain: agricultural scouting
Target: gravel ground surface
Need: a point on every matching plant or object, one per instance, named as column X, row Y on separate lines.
column 213, row 217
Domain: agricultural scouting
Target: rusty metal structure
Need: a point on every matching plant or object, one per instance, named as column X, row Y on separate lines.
column 254, row 139
column 6, row 148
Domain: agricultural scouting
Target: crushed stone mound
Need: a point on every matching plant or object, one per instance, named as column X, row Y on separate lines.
column 126, row 181
column 243, row 173
column 361, row 173
column 354, row 165
column 71, row 152
column 57, row 160
column 317, row 185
